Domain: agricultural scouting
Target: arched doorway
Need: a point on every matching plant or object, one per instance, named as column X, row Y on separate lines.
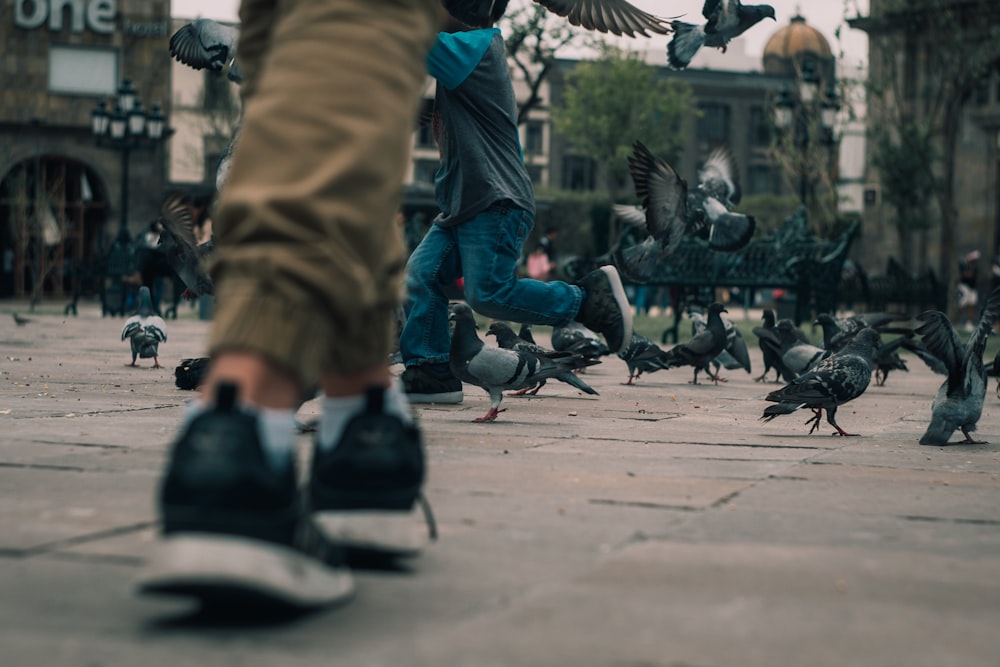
column 52, row 210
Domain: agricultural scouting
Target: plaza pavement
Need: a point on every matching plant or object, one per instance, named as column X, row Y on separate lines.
column 657, row 525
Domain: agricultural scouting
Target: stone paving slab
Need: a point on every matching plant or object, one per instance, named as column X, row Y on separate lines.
column 660, row 524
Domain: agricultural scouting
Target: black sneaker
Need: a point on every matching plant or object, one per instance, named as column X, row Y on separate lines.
column 365, row 492
column 424, row 386
column 233, row 529
column 605, row 309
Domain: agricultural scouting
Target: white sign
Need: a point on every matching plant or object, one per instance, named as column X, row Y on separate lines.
column 98, row 15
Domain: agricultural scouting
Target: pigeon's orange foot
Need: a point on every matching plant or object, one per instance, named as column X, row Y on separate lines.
column 489, row 416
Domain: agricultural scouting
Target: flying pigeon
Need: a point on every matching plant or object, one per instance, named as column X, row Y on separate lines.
column 735, row 355
column 797, row 355
column 959, row 402
column 608, row 16
column 834, row 381
column 700, row 350
column 508, row 340
column 145, row 330
column 770, row 348
column 670, row 210
column 184, row 255
column 497, row 370
column 726, row 20
column 642, row 356
column 207, row 44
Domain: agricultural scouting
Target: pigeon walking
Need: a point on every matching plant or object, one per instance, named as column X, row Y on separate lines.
column 797, row 355
column 735, row 355
column 726, row 20
column 643, row 356
column 700, row 350
column 770, row 348
column 145, row 330
column 576, row 338
column 959, row 402
column 508, row 340
column 497, row 370
column 834, row 381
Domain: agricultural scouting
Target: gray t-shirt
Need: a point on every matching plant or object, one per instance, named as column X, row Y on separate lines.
column 476, row 128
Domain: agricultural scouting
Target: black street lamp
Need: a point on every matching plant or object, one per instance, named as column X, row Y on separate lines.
column 126, row 128
column 803, row 111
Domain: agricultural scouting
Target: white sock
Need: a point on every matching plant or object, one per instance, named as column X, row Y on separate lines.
column 336, row 412
column 276, row 428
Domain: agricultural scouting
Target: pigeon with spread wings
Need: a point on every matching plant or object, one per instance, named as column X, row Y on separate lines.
column 725, row 20
column 617, row 17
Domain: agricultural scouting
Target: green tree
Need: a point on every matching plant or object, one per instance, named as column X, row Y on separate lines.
column 613, row 101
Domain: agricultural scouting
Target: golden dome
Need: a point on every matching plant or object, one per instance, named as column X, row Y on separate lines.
column 797, row 39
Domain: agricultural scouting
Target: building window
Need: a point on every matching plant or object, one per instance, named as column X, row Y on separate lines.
column 534, row 133
column 424, row 170
column 578, row 173
column 713, row 125
column 83, row 71
column 760, row 127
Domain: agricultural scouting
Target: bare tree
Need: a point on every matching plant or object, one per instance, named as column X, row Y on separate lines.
column 928, row 59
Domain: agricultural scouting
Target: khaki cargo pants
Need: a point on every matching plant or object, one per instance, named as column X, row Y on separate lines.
column 309, row 261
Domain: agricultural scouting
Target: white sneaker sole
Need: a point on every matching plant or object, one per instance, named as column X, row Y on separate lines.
column 391, row 533
column 220, row 567
column 618, row 290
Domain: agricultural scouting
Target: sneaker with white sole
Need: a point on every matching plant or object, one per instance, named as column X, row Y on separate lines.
column 365, row 492
column 605, row 308
column 235, row 530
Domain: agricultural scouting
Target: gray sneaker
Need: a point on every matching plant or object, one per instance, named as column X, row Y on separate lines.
column 605, row 309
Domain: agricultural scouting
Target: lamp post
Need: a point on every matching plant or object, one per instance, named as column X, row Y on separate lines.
column 803, row 112
column 126, row 128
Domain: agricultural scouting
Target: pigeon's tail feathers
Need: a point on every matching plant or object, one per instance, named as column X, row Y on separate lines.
column 938, row 432
column 687, row 39
column 731, row 232
column 778, row 409
column 574, row 381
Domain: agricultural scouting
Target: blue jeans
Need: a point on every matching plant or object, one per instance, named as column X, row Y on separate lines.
column 485, row 251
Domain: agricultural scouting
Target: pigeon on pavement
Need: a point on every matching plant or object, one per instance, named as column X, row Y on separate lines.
column 574, row 337
column 700, row 350
column 497, row 370
column 735, row 355
column 838, row 331
column 797, row 355
column 770, row 348
column 959, row 402
column 834, row 381
column 21, row 321
column 145, row 330
column 508, row 340
column 726, row 20
column 642, row 356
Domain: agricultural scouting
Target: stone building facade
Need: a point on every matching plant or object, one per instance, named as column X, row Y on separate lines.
column 60, row 192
